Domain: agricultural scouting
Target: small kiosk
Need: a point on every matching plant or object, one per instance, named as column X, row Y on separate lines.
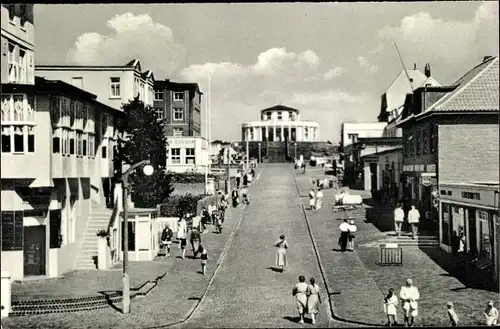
column 142, row 242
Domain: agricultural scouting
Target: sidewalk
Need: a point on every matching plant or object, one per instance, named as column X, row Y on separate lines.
column 170, row 301
column 359, row 284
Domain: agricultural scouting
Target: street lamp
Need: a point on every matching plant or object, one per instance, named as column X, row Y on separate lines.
column 148, row 171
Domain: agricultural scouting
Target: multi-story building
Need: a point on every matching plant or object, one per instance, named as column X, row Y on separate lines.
column 466, row 109
column 179, row 105
column 113, row 85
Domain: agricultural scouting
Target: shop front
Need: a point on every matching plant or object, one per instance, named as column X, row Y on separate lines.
column 471, row 210
column 420, row 189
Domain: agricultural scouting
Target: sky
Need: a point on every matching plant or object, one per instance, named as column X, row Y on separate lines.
column 332, row 61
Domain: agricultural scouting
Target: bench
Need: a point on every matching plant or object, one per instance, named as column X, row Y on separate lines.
column 390, row 255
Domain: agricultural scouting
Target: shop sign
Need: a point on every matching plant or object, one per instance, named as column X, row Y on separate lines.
column 431, row 168
column 408, row 168
column 426, row 181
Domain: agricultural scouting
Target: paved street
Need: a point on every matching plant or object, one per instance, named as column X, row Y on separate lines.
column 246, row 292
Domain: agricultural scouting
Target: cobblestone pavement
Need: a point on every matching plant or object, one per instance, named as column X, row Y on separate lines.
column 171, row 301
column 246, row 292
column 352, row 276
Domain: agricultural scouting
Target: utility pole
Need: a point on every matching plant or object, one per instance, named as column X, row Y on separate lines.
column 228, row 182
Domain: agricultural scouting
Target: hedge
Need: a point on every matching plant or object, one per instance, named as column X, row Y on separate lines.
column 188, row 177
column 179, row 205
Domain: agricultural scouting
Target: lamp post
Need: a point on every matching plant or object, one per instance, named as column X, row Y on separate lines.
column 148, row 171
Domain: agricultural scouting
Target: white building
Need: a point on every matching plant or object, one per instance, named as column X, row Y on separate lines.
column 278, row 124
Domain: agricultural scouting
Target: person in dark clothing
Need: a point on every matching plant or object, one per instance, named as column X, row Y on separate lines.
column 205, row 219
column 238, row 179
column 344, row 235
column 234, row 196
column 195, row 240
column 166, row 239
column 245, row 179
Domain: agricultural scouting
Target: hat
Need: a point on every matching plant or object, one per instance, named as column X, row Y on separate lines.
column 449, row 304
column 409, row 281
column 351, row 222
column 490, row 303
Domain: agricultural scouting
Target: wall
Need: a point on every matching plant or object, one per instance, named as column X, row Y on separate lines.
column 468, row 153
column 201, row 154
column 364, row 130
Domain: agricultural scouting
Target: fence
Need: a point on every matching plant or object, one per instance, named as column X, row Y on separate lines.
column 390, row 255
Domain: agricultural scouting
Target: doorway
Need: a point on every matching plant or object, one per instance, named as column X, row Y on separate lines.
column 374, row 176
column 471, row 225
column 34, row 250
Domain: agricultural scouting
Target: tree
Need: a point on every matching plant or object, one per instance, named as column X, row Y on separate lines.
column 144, row 139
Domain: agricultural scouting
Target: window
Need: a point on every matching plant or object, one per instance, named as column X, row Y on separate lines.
column 31, row 139
column 65, row 141
column 268, row 115
column 176, row 155
column 77, row 82
column 178, row 96
column 159, row 114
column 158, row 95
column 6, row 139
column 56, row 140
column 71, row 142
column 190, row 156
column 115, row 91
column 12, row 230
column 485, row 235
column 22, row 66
column 177, row 132
column 91, row 146
column 104, row 152
column 280, row 116
column 306, row 133
column 104, row 124
column 55, row 229
column 446, row 224
column 72, row 113
column 352, row 137
column 85, row 144
column 12, row 63
column 418, row 143
column 79, row 143
column 433, row 138
column 178, row 114
column 425, row 141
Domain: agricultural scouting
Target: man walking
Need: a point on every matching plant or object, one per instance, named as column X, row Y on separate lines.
column 344, row 235
column 409, row 296
column 166, row 239
column 399, row 217
column 413, row 219
column 244, row 195
column 238, row 178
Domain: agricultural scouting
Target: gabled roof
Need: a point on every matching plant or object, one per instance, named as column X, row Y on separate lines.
column 148, row 75
column 135, row 64
column 396, row 93
column 477, row 90
column 280, row 108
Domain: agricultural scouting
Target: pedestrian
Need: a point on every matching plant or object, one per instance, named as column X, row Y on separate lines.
column 319, row 199
column 204, row 259
column 252, row 172
column 413, row 219
column 234, row 197
column 452, row 315
column 409, row 296
column 181, row 235
column 461, row 247
column 245, row 179
column 312, row 199
column 244, row 195
column 219, row 222
column 238, row 178
column 282, row 246
column 300, row 293
column 303, row 168
column 350, row 238
column 390, row 308
column 195, row 240
column 166, row 239
column 222, row 209
column 491, row 314
column 250, row 177
column 399, row 217
column 344, row 235
column 313, row 298
column 211, row 209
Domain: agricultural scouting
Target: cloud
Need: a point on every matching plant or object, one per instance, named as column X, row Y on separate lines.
column 450, row 41
column 333, row 73
column 277, row 76
column 131, row 37
column 363, row 62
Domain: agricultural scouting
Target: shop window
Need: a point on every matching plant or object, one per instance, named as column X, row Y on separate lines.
column 446, row 224
column 485, row 234
column 12, row 230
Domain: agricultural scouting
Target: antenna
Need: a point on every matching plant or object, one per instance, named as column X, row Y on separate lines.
column 404, row 68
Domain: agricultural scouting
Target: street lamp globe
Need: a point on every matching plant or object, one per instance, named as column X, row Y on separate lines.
column 148, row 170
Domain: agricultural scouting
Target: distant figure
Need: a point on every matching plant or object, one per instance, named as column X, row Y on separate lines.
column 344, row 235
column 409, row 296
column 195, row 240
column 399, row 217
column 303, row 168
column 313, row 297
column 300, row 293
column 204, row 259
column 212, row 208
column 234, row 197
column 245, row 179
column 413, row 219
column 319, row 199
column 238, row 178
column 166, row 239
column 452, row 315
column 244, row 195
column 181, row 235
column 312, row 199
column 491, row 314
column 282, row 246
column 390, row 307
column 250, row 177
column 205, row 219
column 350, row 238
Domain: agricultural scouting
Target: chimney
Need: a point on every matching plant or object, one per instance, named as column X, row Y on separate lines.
column 486, row 58
column 428, row 70
column 414, row 66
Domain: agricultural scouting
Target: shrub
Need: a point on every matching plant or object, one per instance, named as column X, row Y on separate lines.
column 179, row 205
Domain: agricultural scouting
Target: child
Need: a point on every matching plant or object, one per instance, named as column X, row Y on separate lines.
column 390, row 308
column 166, row 239
column 204, row 259
column 491, row 314
column 452, row 314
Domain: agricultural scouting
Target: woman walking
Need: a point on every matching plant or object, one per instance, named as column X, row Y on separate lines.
column 300, row 293
column 313, row 297
column 350, row 238
column 312, row 199
column 319, row 199
column 195, row 239
column 390, row 307
column 282, row 246
column 204, row 259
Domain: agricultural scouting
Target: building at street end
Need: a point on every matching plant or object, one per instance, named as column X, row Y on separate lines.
column 450, row 135
column 180, row 106
column 280, row 124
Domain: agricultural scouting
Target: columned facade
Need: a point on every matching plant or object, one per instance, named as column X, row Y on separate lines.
column 279, row 124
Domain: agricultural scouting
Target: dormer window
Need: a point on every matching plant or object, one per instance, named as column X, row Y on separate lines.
column 268, row 115
column 280, row 116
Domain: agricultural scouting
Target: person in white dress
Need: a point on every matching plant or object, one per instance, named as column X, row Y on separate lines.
column 182, row 235
column 409, row 296
column 390, row 308
column 350, row 239
column 319, row 199
column 312, row 199
column 399, row 217
column 491, row 314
